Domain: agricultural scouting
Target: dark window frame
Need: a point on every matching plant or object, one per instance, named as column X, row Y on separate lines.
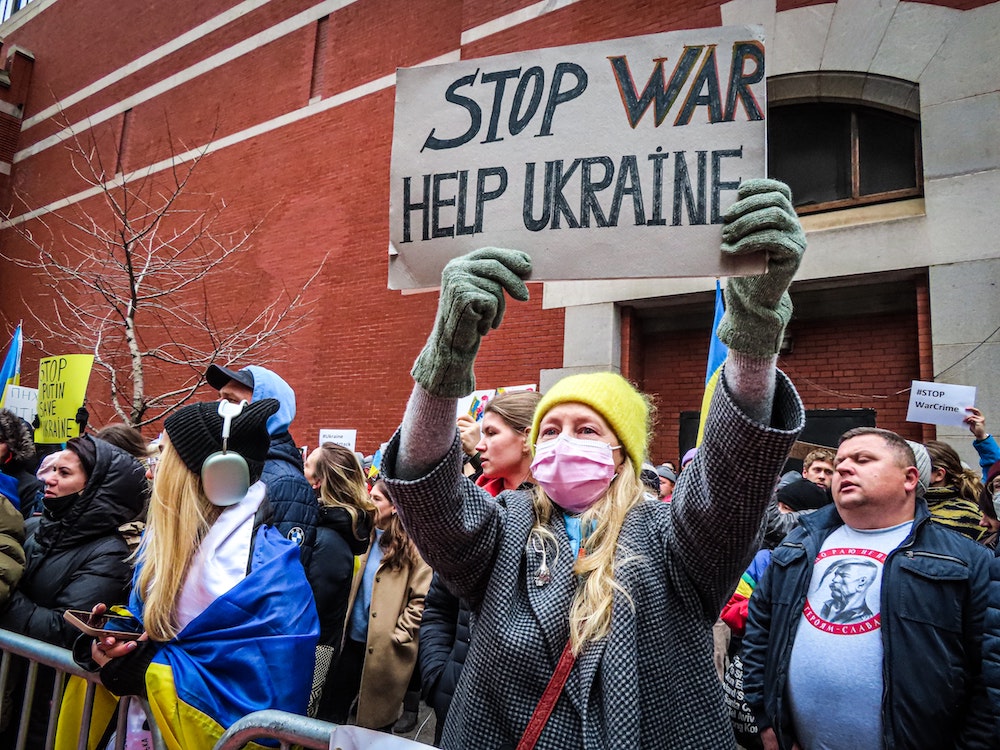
column 855, row 92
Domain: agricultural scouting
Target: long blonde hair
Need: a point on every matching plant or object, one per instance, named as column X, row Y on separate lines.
column 342, row 485
column 590, row 612
column 179, row 517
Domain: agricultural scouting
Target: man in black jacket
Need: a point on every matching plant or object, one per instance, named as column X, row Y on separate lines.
column 292, row 500
column 904, row 670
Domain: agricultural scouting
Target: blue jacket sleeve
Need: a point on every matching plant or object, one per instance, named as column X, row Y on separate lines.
column 980, row 728
column 989, row 453
column 991, row 638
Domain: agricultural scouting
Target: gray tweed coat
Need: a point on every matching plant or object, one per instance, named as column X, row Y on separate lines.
column 651, row 683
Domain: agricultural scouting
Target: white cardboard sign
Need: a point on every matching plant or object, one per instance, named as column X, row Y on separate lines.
column 939, row 403
column 346, row 438
column 22, row 401
column 611, row 159
column 474, row 404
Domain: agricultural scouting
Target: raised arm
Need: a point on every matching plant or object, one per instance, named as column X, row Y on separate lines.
column 452, row 522
column 471, row 304
column 755, row 414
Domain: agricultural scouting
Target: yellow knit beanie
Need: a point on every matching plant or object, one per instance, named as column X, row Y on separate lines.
column 610, row 395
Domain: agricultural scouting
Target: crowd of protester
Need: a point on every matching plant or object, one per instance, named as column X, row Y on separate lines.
column 533, row 575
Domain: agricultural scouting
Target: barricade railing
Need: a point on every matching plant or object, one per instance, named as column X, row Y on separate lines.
column 291, row 730
column 39, row 654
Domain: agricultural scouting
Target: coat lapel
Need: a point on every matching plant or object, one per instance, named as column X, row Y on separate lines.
column 550, row 600
column 550, row 603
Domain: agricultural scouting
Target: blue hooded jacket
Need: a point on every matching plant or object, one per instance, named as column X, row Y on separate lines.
column 292, row 500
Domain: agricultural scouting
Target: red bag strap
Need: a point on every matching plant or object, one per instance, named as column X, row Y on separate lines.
column 548, row 700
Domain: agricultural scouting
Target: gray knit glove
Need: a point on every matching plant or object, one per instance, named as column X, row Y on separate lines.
column 758, row 307
column 472, row 302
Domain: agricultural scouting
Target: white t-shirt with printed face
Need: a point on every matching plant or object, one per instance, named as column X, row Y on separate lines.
column 835, row 673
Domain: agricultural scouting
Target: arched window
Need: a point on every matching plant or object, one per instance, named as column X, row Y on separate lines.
column 844, row 139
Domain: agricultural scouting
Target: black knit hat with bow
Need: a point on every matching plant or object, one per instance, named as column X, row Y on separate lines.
column 195, row 432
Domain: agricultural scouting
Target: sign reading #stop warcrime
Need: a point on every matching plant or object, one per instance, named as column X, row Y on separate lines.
column 605, row 160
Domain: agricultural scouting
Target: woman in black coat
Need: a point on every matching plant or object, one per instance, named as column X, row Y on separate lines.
column 75, row 556
column 345, row 522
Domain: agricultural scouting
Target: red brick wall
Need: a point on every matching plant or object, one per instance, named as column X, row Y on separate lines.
column 319, row 185
column 846, row 363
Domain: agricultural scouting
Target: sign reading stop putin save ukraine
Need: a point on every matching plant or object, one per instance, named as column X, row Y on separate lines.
column 604, row 160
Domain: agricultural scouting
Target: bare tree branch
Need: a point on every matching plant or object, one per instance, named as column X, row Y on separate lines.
column 127, row 276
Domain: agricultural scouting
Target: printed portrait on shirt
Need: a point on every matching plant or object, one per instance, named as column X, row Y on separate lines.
column 845, row 600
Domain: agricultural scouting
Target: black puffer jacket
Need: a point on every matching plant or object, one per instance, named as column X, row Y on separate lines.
column 331, row 570
column 78, row 559
column 444, row 641
column 292, row 499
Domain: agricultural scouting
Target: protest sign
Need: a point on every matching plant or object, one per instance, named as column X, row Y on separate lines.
column 605, row 160
column 346, row 438
column 22, row 401
column 474, row 404
column 939, row 403
column 62, row 388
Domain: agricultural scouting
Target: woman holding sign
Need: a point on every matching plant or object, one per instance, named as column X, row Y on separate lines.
column 593, row 603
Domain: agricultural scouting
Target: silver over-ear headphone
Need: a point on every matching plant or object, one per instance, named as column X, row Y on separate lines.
column 225, row 475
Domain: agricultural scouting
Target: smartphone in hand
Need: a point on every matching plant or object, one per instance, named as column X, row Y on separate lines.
column 120, row 626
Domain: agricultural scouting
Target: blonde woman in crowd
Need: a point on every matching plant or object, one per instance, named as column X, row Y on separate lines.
column 380, row 648
column 220, row 597
column 593, row 603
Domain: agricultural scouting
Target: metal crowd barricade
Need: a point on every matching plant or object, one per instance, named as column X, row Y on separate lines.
column 291, row 730
column 296, row 731
column 38, row 653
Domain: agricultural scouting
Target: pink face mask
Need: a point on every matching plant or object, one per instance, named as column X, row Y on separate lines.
column 574, row 473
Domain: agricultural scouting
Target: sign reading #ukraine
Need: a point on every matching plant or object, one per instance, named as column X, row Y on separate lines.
column 605, row 160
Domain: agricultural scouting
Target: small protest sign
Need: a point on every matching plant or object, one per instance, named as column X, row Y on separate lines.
column 612, row 159
column 346, row 438
column 474, row 404
column 939, row 403
column 22, row 401
column 62, row 388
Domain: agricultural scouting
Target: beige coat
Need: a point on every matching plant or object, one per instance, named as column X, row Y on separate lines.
column 393, row 633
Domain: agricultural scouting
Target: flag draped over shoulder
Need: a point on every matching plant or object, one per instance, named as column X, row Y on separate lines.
column 717, row 352
column 253, row 648
column 10, row 373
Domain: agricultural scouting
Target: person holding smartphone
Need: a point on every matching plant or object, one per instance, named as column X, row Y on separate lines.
column 224, row 617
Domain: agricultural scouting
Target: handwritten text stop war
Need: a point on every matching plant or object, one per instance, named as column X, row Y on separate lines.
column 454, row 203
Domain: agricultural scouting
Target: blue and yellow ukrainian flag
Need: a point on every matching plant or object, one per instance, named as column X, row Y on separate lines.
column 717, row 352
column 10, row 373
column 253, row 648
